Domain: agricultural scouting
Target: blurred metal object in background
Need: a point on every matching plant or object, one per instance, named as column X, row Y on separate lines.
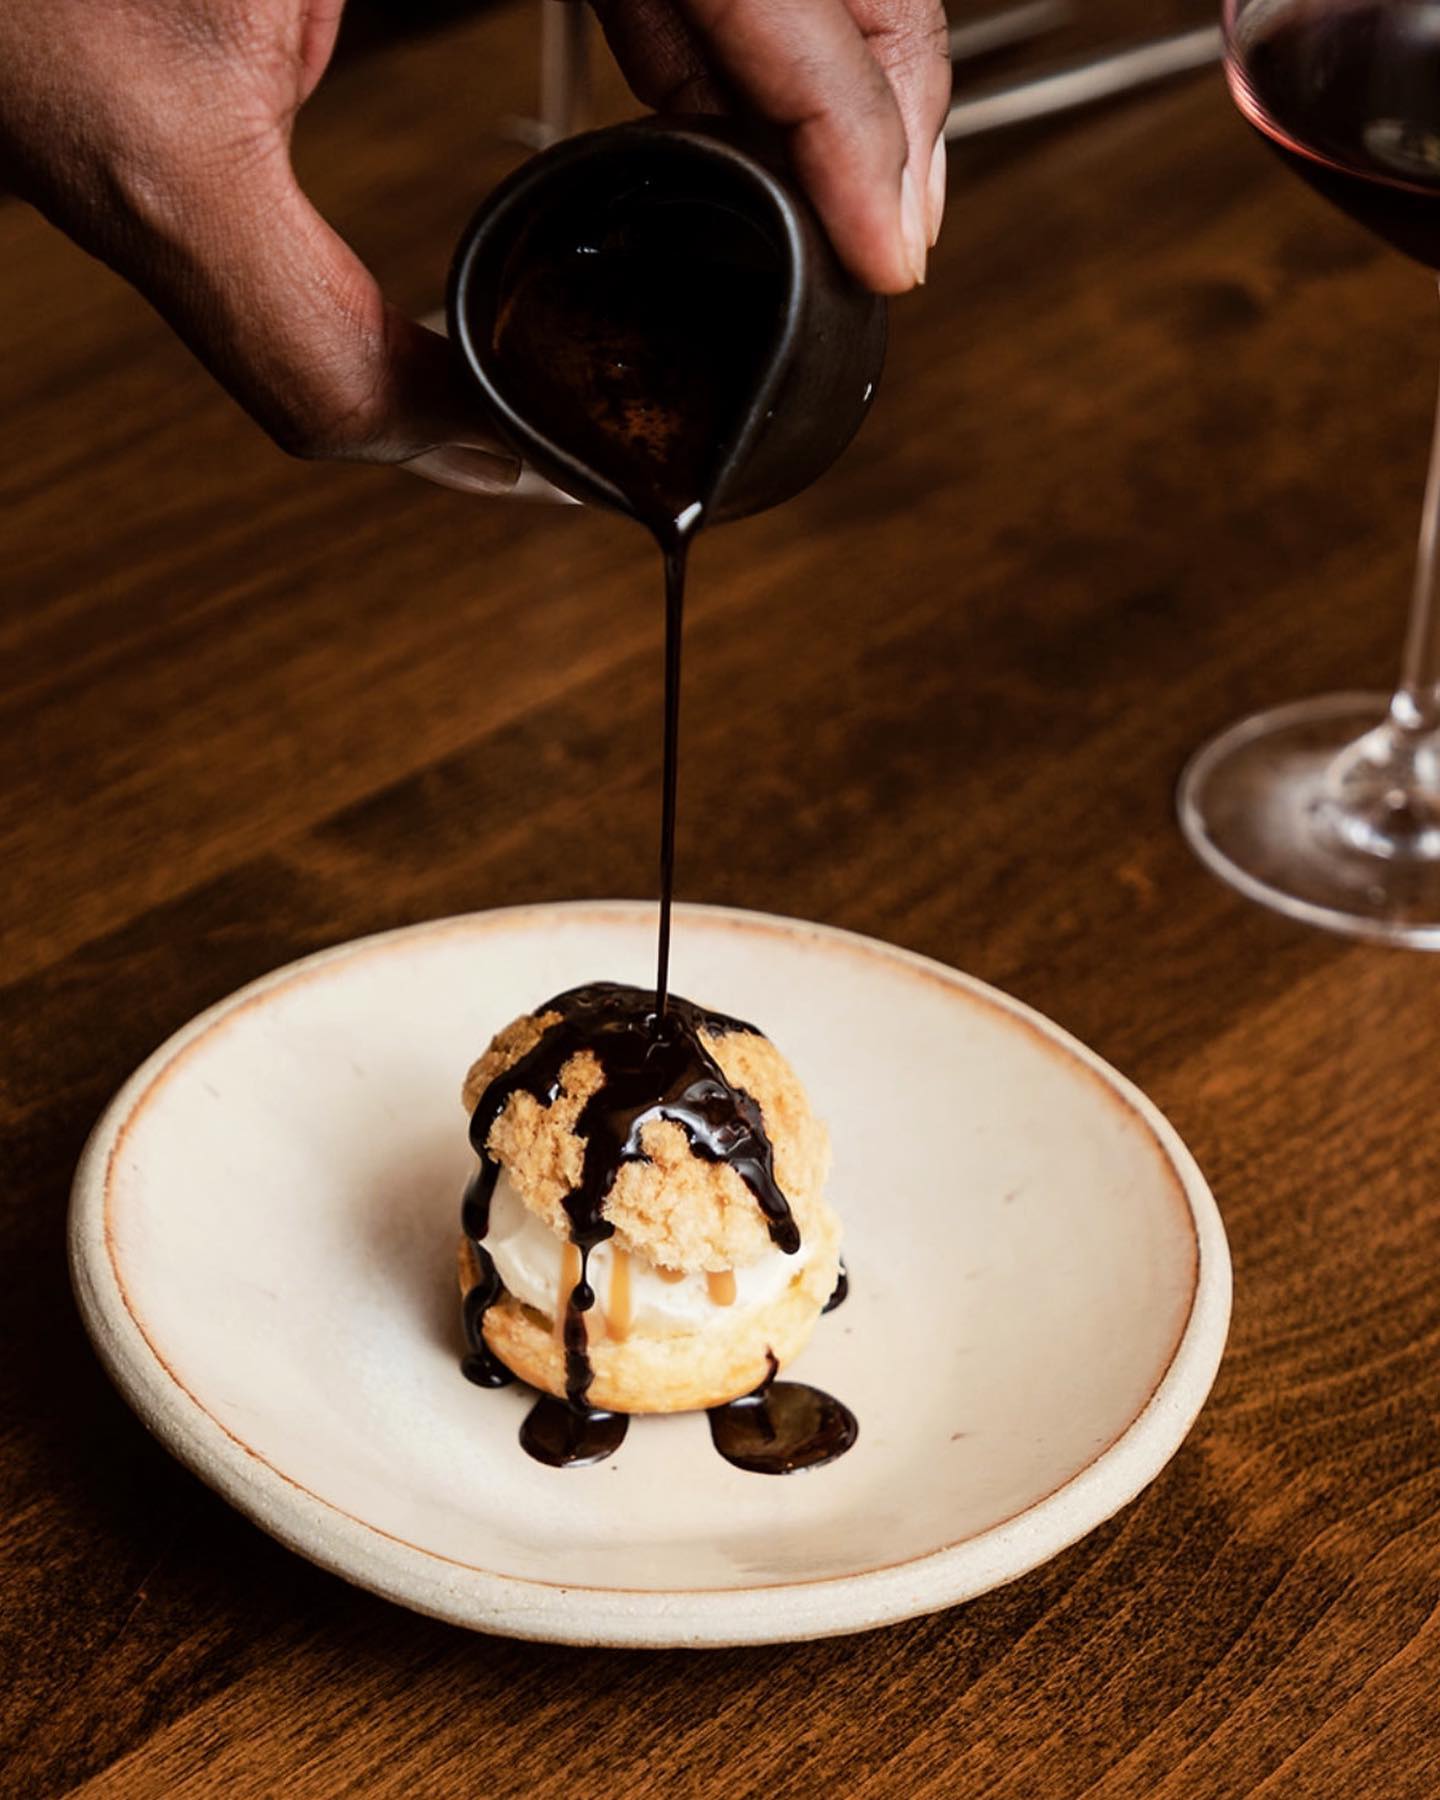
column 564, row 76
column 1065, row 90
column 1004, row 30
column 565, row 69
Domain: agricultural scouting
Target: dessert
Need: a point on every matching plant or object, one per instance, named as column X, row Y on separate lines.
column 647, row 1231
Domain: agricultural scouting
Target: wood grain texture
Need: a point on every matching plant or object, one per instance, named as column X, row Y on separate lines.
column 1149, row 452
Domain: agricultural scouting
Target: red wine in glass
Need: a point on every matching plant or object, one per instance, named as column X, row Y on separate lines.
column 1329, row 809
column 1349, row 94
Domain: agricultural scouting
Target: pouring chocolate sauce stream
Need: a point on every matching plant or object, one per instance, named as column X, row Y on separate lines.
column 637, row 340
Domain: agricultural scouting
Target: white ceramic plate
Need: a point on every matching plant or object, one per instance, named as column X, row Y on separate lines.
column 263, row 1233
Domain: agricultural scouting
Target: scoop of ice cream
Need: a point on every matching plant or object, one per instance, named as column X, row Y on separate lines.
column 630, row 1292
column 675, row 1210
column 653, row 1371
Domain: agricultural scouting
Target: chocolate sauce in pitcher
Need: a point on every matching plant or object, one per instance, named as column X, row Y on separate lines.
column 636, row 337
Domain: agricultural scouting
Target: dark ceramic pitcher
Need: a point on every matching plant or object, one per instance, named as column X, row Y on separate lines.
column 809, row 395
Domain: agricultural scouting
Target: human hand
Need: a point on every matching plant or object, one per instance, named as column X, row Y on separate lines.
column 156, row 133
column 860, row 88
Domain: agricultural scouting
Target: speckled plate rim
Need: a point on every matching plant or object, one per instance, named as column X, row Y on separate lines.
column 627, row 1618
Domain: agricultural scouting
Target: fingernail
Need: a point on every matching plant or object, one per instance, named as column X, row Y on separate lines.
column 912, row 227
column 468, row 470
column 939, row 169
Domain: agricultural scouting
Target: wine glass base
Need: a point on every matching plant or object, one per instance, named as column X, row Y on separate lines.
column 1257, row 806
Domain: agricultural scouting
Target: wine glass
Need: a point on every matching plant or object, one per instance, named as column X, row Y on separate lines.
column 1329, row 809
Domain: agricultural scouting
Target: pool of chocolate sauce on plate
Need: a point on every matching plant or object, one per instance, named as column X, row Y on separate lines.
column 782, row 1426
column 636, row 338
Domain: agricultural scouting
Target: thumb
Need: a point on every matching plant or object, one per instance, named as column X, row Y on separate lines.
column 281, row 310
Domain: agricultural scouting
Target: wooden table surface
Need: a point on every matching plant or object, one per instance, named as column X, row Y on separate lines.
column 1149, row 453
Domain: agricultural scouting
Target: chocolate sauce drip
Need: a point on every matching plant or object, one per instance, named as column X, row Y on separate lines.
column 651, row 1068
column 569, row 1437
column 570, row 1433
column 842, row 1291
column 781, row 1427
column 576, row 1338
column 677, row 549
column 481, row 1364
column 635, row 336
column 475, row 1208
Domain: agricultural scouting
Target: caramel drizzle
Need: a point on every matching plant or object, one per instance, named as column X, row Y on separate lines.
column 618, row 1313
column 721, row 1283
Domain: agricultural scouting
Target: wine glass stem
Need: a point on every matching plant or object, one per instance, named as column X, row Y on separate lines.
column 1415, row 708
